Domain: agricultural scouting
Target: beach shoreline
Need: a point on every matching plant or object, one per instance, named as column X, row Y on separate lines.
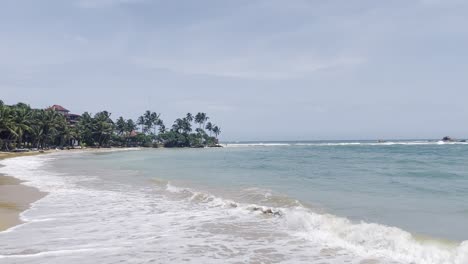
column 15, row 197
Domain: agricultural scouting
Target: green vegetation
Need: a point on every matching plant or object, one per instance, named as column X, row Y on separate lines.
column 24, row 127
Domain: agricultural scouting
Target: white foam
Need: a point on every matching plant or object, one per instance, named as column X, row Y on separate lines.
column 324, row 144
column 373, row 240
column 256, row 145
column 367, row 240
column 125, row 223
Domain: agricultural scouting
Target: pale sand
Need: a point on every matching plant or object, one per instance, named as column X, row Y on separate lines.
column 14, row 196
column 14, row 199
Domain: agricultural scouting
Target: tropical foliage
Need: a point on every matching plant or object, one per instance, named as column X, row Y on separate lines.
column 24, row 127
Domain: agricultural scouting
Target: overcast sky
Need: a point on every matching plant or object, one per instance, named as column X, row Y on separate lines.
column 262, row 70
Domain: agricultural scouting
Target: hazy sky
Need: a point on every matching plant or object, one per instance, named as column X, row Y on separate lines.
column 270, row 70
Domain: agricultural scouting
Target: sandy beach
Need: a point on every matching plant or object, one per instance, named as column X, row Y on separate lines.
column 14, row 199
column 14, row 196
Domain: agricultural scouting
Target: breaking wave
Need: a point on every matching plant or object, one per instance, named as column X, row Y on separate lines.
column 369, row 240
column 119, row 223
column 324, row 144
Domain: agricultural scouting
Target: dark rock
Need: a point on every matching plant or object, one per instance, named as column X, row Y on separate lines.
column 447, row 139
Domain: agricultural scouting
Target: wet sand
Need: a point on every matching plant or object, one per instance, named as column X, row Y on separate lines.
column 14, row 199
column 14, row 196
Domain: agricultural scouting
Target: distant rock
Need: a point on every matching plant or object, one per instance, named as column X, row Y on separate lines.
column 448, row 139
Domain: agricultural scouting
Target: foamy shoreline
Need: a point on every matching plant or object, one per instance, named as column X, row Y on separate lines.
column 83, row 209
column 16, row 197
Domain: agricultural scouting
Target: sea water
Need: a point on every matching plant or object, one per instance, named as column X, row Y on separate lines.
column 281, row 202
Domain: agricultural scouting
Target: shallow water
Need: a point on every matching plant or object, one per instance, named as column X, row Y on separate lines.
column 300, row 202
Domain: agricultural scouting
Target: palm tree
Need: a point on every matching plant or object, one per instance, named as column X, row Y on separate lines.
column 130, row 126
column 65, row 133
column 186, row 126
column 209, row 127
column 205, row 118
column 103, row 127
column 201, row 118
column 162, row 128
column 22, row 118
column 7, row 125
column 37, row 135
column 121, row 126
column 154, row 121
column 189, row 117
column 50, row 123
column 148, row 120
column 85, row 128
column 23, row 126
column 141, row 122
column 178, row 125
column 6, row 119
column 216, row 131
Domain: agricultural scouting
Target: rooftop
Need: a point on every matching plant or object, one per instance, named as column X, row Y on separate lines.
column 58, row 108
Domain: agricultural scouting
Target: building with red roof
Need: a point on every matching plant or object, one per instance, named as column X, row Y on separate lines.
column 58, row 108
column 71, row 118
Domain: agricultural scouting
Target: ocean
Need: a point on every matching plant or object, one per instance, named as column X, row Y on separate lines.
column 271, row 202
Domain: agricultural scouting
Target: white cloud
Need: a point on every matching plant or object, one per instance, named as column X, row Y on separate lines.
column 103, row 3
column 77, row 38
column 250, row 67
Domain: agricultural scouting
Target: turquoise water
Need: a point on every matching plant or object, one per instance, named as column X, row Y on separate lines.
column 422, row 188
column 311, row 202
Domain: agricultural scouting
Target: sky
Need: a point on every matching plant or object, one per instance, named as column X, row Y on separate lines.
column 260, row 69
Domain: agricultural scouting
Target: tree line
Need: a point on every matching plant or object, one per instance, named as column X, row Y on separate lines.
column 24, row 127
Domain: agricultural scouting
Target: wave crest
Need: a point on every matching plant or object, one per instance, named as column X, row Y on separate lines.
column 368, row 240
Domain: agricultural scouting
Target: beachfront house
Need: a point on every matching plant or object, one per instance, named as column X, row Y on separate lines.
column 71, row 118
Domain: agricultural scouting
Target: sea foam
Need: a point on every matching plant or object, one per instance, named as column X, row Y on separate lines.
column 163, row 223
column 366, row 240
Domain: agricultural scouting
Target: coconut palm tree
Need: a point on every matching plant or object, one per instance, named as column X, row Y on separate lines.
column 7, row 125
column 154, row 121
column 103, row 127
column 189, row 117
column 121, row 126
column 162, row 128
column 64, row 133
column 50, row 122
column 141, row 122
column 37, row 135
column 130, row 126
column 209, row 127
column 187, row 127
column 22, row 119
column 199, row 117
column 178, row 125
column 85, row 129
column 148, row 121
column 216, row 131
column 205, row 118
column 23, row 126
